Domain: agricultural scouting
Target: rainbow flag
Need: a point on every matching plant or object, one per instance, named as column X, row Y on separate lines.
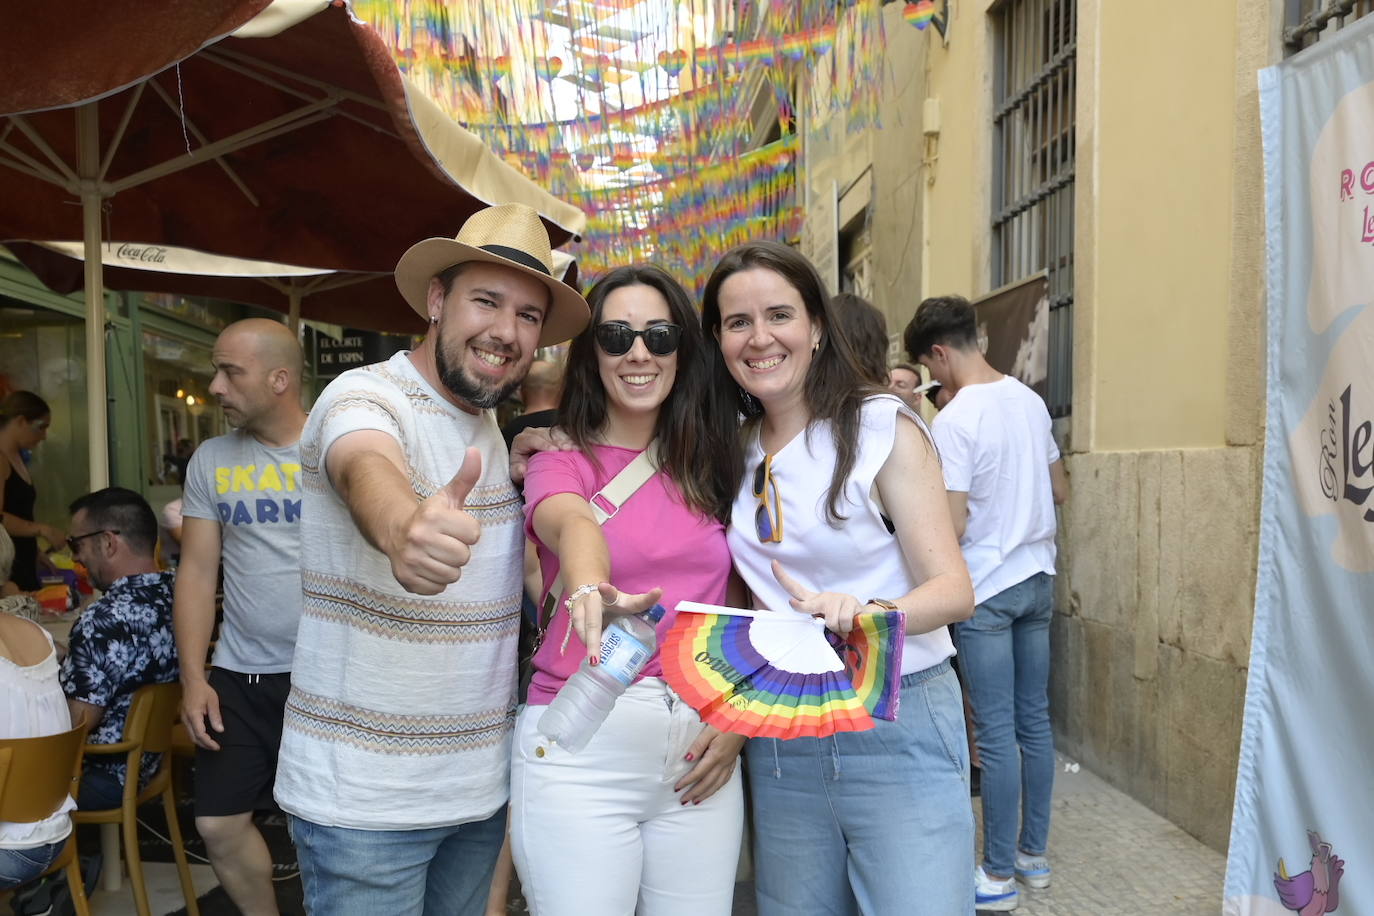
column 781, row 674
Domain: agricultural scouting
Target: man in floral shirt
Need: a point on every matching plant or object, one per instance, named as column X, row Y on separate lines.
column 124, row 640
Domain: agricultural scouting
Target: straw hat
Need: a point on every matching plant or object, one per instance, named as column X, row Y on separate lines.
column 510, row 235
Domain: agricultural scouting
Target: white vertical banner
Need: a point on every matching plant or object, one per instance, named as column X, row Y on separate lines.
column 1302, row 834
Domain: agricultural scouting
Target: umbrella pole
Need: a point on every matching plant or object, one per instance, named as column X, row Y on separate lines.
column 88, row 146
column 293, row 315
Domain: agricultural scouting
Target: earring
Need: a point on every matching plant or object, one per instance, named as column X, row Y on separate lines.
column 815, row 346
column 433, row 319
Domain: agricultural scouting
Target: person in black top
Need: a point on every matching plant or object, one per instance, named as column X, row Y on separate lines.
column 539, row 393
column 24, row 421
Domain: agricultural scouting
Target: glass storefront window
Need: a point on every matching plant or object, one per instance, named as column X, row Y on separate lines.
column 210, row 314
column 181, row 413
column 45, row 352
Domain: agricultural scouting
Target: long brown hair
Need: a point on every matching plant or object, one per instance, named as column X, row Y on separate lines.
column 835, row 386
column 695, row 437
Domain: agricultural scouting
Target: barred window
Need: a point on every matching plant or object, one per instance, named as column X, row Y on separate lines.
column 1033, row 165
column 1306, row 21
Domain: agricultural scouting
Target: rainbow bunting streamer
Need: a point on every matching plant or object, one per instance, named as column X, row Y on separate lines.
column 779, row 674
column 661, row 148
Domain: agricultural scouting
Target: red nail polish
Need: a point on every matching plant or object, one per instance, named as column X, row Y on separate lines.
column 594, row 660
column 691, row 757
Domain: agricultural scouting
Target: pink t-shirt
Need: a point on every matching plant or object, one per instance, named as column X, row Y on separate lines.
column 655, row 540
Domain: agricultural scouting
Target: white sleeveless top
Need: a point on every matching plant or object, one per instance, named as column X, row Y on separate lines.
column 32, row 705
column 859, row 556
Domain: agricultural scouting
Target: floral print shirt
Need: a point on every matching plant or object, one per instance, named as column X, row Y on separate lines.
column 120, row 643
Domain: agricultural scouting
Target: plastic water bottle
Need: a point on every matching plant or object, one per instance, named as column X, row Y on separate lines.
column 586, row 699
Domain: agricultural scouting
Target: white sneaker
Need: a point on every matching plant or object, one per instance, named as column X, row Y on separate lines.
column 997, row 895
column 1033, row 871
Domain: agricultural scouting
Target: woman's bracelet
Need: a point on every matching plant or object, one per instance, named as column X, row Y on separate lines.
column 578, row 594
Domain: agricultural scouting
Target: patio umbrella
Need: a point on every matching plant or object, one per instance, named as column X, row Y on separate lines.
column 275, row 131
column 356, row 299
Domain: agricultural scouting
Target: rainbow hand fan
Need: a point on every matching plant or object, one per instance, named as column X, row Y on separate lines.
column 781, row 674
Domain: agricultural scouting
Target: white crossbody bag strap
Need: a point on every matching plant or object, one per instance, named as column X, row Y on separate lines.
column 606, row 502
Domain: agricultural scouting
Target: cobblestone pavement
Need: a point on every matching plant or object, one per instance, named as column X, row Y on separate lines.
column 1112, row 856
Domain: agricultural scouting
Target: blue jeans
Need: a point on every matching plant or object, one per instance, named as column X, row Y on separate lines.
column 20, row 866
column 868, row 822
column 437, row 870
column 100, row 789
column 1004, row 654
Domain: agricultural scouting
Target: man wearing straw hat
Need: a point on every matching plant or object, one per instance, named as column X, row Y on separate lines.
column 396, row 746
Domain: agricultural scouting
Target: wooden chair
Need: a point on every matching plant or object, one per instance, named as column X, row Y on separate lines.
column 36, row 776
column 147, row 730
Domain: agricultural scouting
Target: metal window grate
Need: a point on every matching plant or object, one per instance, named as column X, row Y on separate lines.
column 1033, row 167
column 1306, row 21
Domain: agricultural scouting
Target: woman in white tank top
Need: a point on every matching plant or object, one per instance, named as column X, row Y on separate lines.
column 841, row 509
column 31, row 705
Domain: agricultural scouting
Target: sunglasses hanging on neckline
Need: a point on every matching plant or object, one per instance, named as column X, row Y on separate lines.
column 767, row 517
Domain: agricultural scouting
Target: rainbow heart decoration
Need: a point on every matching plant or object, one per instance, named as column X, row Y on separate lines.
column 548, row 68
column 672, row 62
column 919, row 14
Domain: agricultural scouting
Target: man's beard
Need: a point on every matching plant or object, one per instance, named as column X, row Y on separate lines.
column 467, row 389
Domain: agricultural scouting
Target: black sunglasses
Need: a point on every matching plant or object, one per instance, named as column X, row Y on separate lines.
column 616, row 338
column 73, row 541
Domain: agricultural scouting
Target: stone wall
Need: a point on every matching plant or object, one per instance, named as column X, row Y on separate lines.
column 1152, row 632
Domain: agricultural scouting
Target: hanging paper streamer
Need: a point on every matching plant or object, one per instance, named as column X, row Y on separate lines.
column 636, row 111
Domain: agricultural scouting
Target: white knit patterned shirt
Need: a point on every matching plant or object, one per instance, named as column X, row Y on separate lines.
column 401, row 706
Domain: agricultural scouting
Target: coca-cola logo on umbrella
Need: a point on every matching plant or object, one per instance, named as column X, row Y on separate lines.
column 143, row 254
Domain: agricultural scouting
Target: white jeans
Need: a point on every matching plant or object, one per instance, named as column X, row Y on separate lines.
column 602, row 831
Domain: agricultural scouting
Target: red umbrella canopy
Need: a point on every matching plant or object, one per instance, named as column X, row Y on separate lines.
column 294, row 140
column 57, row 54
column 300, row 147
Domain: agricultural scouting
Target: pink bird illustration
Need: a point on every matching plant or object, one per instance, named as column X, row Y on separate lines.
column 1315, row 891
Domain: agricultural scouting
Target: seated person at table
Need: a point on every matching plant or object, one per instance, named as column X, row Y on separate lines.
column 13, row 599
column 31, row 706
column 124, row 640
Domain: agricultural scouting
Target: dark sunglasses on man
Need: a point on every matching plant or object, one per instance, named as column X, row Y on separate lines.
column 616, row 338
column 74, row 542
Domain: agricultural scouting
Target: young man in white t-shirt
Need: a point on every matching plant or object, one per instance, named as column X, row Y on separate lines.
column 1004, row 477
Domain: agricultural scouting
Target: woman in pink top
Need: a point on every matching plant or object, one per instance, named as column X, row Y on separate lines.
column 647, row 818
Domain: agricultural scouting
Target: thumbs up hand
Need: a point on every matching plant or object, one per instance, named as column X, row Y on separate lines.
column 430, row 550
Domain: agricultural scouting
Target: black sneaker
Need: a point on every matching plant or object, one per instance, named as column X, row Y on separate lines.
column 34, row 898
